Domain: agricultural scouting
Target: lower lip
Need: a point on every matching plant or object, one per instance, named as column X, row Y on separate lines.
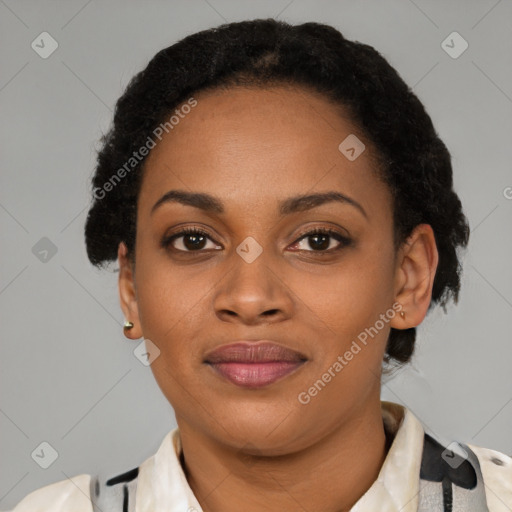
column 255, row 375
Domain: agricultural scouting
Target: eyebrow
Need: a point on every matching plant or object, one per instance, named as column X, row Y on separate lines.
column 209, row 203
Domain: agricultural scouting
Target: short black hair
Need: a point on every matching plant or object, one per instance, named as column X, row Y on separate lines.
column 414, row 162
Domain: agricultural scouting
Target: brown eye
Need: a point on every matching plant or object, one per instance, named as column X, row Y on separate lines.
column 321, row 240
column 188, row 240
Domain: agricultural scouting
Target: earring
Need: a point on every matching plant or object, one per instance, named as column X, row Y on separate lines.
column 127, row 326
column 402, row 314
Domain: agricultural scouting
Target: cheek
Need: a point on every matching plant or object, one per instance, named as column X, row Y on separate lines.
column 354, row 293
column 170, row 308
column 175, row 312
column 350, row 305
column 163, row 308
column 166, row 293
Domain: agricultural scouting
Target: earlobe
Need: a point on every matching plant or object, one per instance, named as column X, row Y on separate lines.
column 416, row 268
column 127, row 294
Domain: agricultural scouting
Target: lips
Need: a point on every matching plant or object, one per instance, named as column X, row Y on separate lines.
column 254, row 364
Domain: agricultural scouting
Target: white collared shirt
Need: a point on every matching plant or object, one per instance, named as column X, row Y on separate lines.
column 162, row 485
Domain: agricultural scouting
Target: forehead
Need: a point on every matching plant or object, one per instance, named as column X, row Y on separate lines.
column 253, row 145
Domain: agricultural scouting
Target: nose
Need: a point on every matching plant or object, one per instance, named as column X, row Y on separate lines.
column 253, row 293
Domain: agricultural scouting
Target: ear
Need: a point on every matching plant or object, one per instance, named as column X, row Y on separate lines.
column 127, row 293
column 415, row 272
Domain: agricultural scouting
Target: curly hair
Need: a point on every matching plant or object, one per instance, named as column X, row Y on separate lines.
column 413, row 161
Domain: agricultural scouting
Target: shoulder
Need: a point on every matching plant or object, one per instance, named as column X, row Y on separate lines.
column 83, row 493
column 69, row 494
column 496, row 470
column 91, row 493
column 117, row 493
column 465, row 477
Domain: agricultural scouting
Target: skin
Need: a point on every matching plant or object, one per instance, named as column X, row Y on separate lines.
column 254, row 449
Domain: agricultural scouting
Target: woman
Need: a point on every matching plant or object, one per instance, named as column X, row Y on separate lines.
column 283, row 216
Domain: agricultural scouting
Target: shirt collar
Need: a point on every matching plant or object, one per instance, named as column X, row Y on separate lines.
column 397, row 486
column 162, row 484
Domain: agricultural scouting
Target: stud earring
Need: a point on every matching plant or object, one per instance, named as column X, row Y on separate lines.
column 127, row 326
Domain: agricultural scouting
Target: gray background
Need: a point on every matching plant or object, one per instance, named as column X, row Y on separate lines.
column 68, row 375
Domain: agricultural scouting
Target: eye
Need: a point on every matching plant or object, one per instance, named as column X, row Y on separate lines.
column 196, row 239
column 320, row 241
column 193, row 240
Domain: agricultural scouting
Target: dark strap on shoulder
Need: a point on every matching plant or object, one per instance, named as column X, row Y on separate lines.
column 448, row 481
column 117, row 494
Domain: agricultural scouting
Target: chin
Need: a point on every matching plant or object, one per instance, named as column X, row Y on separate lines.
column 263, row 432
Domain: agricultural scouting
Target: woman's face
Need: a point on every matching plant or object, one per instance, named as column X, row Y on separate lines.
column 253, row 275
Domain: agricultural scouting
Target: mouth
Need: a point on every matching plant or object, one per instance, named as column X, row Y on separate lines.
column 254, row 364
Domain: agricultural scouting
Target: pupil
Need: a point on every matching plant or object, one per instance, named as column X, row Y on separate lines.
column 196, row 242
column 323, row 245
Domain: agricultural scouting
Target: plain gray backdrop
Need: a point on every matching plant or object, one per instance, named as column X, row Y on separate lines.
column 68, row 375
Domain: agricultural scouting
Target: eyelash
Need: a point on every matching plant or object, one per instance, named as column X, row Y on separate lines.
column 342, row 239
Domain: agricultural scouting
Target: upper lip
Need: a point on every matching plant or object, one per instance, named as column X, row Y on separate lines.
column 263, row 351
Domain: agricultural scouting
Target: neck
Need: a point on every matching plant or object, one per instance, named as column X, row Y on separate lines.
column 329, row 475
